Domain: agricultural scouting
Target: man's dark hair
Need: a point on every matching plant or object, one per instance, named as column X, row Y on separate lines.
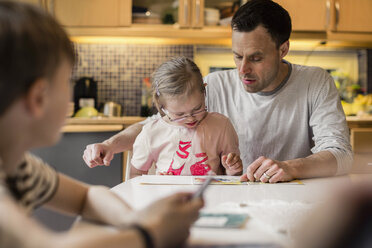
column 267, row 13
column 32, row 46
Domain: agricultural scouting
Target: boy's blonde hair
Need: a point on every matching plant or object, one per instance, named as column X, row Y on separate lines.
column 175, row 77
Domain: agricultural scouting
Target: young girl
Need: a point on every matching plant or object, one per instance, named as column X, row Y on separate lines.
column 186, row 140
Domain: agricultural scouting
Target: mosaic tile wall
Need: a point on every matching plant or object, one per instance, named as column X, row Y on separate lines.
column 120, row 68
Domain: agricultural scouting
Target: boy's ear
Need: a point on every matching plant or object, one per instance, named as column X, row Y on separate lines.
column 36, row 97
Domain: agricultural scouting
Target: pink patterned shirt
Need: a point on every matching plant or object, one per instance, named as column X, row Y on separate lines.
column 185, row 151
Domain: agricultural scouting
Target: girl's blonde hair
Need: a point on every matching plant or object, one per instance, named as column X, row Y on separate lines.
column 177, row 76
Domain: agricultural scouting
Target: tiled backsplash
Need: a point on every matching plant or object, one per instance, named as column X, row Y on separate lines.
column 120, row 68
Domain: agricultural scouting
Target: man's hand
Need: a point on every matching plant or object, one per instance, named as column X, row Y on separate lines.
column 267, row 170
column 97, row 154
column 169, row 219
column 232, row 163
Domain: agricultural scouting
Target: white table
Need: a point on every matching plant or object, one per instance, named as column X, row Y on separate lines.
column 274, row 209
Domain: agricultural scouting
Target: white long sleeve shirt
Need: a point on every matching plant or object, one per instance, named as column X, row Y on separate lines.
column 301, row 117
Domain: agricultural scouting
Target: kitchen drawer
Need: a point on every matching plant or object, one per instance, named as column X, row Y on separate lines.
column 66, row 157
column 361, row 141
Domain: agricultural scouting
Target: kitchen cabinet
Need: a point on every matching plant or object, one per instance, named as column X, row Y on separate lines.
column 361, row 142
column 116, row 13
column 332, row 15
column 352, row 16
column 35, row 2
column 332, row 20
column 190, row 13
column 114, row 18
column 307, row 15
column 92, row 13
column 329, row 15
column 66, row 157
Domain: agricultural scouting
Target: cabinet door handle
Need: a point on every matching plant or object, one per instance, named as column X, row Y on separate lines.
column 328, row 13
column 49, row 5
column 337, row 6
column 186, row 12
column 197, row 10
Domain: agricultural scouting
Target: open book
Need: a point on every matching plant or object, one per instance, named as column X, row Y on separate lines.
column 187, row 180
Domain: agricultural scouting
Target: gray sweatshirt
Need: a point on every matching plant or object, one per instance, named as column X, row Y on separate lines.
column 301, row 117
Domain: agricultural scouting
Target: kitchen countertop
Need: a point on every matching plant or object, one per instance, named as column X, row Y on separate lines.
column 359, row 121
column 366, row 118
column 128, row 120
column 125, row 120
column 106, row 124
column 99, row 124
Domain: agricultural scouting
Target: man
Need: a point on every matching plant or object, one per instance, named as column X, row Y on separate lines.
column 35, row 67
column 288, row 117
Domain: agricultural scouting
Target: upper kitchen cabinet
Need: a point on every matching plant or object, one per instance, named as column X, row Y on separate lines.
column 352, row 16
column 207, row 21
column 36, row 2
column 91, row 13
column 184, row 13
column 308, row 15
column 331, row 20
column 40, row 3
column 329, row 15
column 183, row 19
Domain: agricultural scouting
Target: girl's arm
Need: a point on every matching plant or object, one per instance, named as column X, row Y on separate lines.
column 142, row 159
column 230, row 154
column 134, row 172
column 102, row 153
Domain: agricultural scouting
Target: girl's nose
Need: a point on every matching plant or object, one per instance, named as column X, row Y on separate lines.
column 190, row 117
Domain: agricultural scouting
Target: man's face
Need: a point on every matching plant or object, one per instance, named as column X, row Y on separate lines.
column 258, row 60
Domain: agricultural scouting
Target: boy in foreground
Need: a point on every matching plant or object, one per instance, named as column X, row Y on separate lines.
column 35, row 65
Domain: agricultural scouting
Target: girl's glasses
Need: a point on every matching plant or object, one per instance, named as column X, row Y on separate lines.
column 181, row 119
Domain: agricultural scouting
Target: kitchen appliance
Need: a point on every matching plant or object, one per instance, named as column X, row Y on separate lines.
column 112, row 109
column 85, row 93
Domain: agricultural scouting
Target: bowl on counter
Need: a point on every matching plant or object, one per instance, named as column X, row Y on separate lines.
column 86, row 112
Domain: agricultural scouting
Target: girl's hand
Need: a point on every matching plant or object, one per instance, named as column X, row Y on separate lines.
column 98, row 154
column 232, row 163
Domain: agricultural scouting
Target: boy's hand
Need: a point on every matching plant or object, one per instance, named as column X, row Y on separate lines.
column 232, row 163
column 169, row 219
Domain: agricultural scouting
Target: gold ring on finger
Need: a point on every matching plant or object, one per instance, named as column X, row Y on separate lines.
column 267, row 176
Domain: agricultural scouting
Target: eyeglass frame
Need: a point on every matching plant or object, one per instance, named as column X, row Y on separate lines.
column 180, row 119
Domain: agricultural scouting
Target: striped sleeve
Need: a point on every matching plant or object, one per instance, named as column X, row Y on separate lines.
column 33, row 183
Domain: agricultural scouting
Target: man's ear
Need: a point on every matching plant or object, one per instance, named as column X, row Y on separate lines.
column 36, row 97
column 283, row 49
